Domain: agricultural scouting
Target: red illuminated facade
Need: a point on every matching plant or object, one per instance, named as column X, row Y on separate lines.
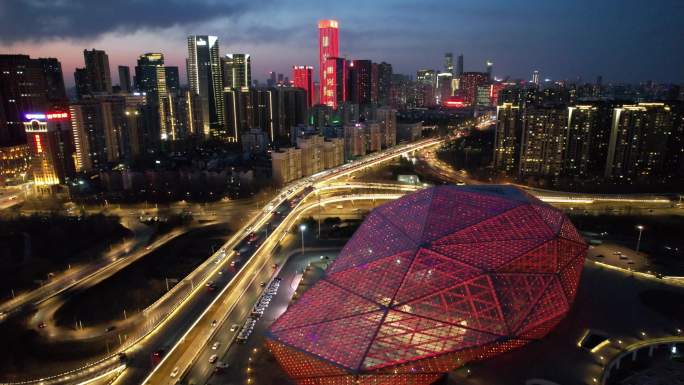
column 336, row 71
column 328, row 47
column 455, row 102
column 469, row 81
column 429, row 282
column 302, row 77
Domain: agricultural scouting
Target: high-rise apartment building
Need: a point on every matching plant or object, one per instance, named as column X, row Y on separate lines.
column 507, row 138
column 303, row 78
column 586, row 147
column 237, row 70
column 98, row 127
column 638, row 141
column 286, row 165
column 125, row 79
column 542, row 145
column 328, row 47
column 354, row 140
column 387, row 118
column 205, row 80
column 172, row 80
column 54, row 81
column 98, row 72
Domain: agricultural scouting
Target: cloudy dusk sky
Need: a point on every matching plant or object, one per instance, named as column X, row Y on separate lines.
column 623, row 40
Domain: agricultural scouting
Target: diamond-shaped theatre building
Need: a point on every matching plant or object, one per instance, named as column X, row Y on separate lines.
column 429, row 282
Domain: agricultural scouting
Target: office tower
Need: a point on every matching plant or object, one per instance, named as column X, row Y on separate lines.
column 237, row 70
column 336, row 82
column 47, row 161
column 303, row 78
column 271, row 81
column 426, row 81
column 125, row 79
column 543, row 140
column 459, row 65
column 637, row 148
column 287, row 165
column 281, row 80
column 535, row 77
column 360, row 82
column 328, row 47
column 507, row 138
column 428, row 77
column 82, row 82
column 97, row 68
column 172, row 80
column 205, row 80
column 384, row 84
column 98, row 125
column 238, row 106
column 489, row 65
column 150, row 78
column 443, row 88
column 483, row 97
column 402, row 91
column 468, row 85
column 191, row 113
column 54, row 80
column 23, row 90
column 588, row 135
column 449, row 62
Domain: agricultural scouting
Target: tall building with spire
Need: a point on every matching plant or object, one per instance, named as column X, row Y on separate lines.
column 328, row 47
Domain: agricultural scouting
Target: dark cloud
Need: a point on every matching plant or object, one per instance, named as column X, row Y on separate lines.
column 34, row 20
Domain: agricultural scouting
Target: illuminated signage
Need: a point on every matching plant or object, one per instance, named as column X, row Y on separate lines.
column 39, row 146
column 455, row 102
column 57, row 115
column 201, row 42
column 35, row 116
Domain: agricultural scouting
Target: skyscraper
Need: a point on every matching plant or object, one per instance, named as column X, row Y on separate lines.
column 384, row 84
column 97, row 68
column 336, row 82
column 98, row 125
column 82, row 82
column 360, row 82
column 23, row 89
column 468, row 85
column 54, row 80
column 489, row 64
column 535, row 77
column 459, row 65
column 303, row 78
column 150, row 77
column 237, row 70
column 172, row 80
column 47, row 163
column 328, row 47
column 125, row 78
column 204, row 77
column 449, row 62
column 542, row 145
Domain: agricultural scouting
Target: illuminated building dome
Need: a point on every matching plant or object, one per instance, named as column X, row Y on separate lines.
column 429, row 282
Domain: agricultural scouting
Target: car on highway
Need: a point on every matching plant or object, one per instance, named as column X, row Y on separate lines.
column 41, row 325
column 262, row 284
column 175, row 371
column 213, row 323
column 234, row 327
column 215, row 346
column 213, row 358
column 109, row 329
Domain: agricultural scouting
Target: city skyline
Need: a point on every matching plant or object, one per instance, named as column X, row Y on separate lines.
column 562, row 41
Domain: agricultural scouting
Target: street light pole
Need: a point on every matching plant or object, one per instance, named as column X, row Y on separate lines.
column 641, row 229
column 302, row 227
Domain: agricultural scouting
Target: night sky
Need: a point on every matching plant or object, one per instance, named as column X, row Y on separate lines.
column 623, row 40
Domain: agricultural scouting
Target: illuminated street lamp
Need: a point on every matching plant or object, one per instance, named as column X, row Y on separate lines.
column 641, row 229
column 302, row 227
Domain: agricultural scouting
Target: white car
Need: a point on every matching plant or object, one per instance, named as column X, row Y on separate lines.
column 215, row 345
column 213, row 358
column 234, row 327
column 175, row 371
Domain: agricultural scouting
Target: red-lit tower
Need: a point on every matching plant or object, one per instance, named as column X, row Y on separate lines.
column 303, row 78
column 328, row 46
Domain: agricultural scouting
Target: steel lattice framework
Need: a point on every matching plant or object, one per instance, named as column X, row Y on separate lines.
column 429, row 282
